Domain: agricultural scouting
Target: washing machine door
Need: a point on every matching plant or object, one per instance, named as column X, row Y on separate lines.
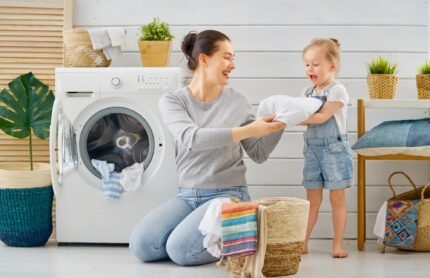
column 63, row 148
column 118, row 136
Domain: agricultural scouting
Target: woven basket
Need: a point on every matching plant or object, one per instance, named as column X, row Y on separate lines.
column 423, row 86
column 155, row 53
column 422, row 238
column 286, row 230
column 79, row 52
column 26, row 216
column 25, row 204
column 382, row 86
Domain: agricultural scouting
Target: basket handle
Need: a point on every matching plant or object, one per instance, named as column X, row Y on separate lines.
column 424, row 190
column 405, row 175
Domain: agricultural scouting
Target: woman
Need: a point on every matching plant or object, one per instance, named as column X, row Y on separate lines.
column 210, row 125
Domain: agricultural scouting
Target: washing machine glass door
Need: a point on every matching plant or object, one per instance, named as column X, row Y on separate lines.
column 66, row 145
column 117, row 135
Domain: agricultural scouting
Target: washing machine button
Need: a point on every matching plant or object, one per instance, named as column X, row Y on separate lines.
column 115, row 82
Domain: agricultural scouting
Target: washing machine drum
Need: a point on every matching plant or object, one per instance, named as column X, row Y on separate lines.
column 120, row 138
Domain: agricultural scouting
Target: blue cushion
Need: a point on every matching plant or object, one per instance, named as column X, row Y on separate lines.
column 394, row 134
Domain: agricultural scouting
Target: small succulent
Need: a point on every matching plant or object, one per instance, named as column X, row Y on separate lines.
column 381, row 65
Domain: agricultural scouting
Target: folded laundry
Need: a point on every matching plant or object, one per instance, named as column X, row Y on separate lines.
column 110, row 40
column 290, row 110
column 99, row 38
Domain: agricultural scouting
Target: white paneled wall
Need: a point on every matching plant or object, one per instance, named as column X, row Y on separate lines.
column 268, row 37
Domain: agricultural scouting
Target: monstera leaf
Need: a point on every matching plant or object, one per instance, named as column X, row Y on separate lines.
column 26, row 107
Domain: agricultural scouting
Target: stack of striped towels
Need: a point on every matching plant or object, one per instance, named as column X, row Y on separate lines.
column 239, row 228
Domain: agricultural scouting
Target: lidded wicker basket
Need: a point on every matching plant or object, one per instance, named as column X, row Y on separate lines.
column 79, row 52
column 287, row 220
column 382, row 86
column 423, row 86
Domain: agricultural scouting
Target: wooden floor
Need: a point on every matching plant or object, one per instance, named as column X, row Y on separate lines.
column 117, row 262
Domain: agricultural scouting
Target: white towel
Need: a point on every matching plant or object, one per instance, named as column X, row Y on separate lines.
column 117, row 37
column 110, row 40
column 210, row 226
column 99, row 38
column 290, row 110
column 379, row 228
column 131, row 177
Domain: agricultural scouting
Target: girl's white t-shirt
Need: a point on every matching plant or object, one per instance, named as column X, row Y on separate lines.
column 336, row 93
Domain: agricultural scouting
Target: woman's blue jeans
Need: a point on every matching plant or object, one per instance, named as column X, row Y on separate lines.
column 171, row 230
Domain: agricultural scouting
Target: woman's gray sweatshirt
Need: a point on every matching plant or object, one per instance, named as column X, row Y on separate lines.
column 206, row 156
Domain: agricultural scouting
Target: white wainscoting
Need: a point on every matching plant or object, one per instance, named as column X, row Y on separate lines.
column 268, row 37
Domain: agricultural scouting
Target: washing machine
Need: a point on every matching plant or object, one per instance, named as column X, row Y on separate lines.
column 109, row 114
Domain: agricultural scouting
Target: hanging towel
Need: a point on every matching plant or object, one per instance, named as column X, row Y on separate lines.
column 117, row 36
column 110, row 40
column 99, row 38
column 239, row 228
column 210, row 226
column 131, row 177
column 110, row 179
column 253, row 266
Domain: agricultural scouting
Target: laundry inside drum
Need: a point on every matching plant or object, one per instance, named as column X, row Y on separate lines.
column 120, row 139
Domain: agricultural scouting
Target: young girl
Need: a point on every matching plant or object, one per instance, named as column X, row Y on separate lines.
column 328, row 157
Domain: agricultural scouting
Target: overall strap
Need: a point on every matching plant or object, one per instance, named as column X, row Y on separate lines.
column 309, row 91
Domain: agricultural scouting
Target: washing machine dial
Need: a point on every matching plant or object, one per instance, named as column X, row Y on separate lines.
column 115, row 82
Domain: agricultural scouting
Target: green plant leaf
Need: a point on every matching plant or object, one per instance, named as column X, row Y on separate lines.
column 28, row 107
column 424, row 68
column 381, row 65
column 155, row 31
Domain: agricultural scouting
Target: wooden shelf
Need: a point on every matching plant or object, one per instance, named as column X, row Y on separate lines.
column 362, row 105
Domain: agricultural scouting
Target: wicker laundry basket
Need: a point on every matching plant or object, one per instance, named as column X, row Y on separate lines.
column 382, row 86
column 423, row 86
column 287, row 220
column 79, row 52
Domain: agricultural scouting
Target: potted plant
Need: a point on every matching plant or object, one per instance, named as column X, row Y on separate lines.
column 155, row 44
column 423, row 80
column 25, row 188
column 382, row 78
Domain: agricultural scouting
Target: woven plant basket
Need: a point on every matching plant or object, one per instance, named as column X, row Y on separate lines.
column 155, row 53
column 423, row 86
column 382, row 86
column 79, row 52
column 25, row 204
column 287, row 220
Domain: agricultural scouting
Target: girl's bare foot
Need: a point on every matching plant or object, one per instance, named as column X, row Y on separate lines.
column 339, row 253
column 305, row 248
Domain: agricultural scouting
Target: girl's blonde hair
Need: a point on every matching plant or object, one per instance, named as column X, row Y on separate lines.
column 331, row 47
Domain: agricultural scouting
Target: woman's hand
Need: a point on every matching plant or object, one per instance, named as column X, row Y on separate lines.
column 260, row 127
